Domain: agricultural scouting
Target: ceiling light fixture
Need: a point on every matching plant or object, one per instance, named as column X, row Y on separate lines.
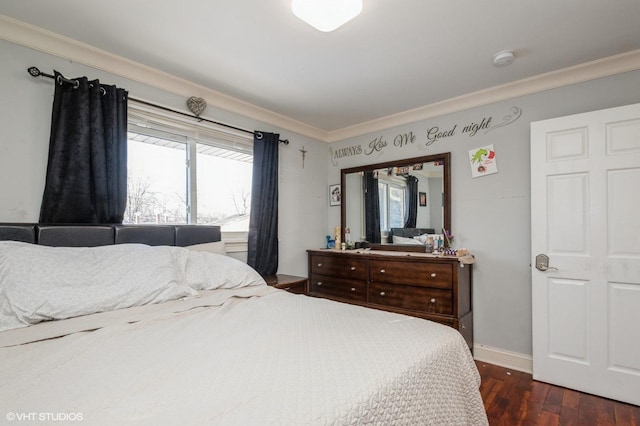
column 326, row 15
column 503, row 58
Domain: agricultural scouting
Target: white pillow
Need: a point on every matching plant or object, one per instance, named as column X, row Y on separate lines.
column 404, row 240
column 422, row 238
column 8, row 318
column 39, row 283
column 217, row 247
column 209, row 271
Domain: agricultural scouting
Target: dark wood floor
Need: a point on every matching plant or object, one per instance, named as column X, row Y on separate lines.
column 514, row 398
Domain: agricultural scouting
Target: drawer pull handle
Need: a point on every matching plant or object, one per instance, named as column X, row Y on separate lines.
column 382, row 271
column 353, row 289
column 319, row 265
column 353, row 268
column 319, row 283
column 464, row 327
column 382, row 293
column 433, row 300
column 433, row 275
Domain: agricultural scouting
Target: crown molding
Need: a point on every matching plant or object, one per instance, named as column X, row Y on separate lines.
column 625, row 62
column 48, row 42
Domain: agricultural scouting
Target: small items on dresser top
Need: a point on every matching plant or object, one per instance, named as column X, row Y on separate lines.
column 462, row 255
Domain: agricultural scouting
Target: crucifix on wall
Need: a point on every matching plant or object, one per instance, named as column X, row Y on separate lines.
column 304, row 154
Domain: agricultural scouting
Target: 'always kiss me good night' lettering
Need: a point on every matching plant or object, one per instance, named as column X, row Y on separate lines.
column 434, row 134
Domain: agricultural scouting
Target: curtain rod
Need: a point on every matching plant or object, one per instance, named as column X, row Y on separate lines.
column 35, row 72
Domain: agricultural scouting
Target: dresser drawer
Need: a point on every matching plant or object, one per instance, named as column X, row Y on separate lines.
column 339, row 266
column 435, row 275
column 338, row 287
column 424, row 299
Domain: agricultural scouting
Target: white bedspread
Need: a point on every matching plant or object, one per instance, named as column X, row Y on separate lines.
column 274, row 359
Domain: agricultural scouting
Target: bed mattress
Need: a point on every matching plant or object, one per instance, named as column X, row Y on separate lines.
column 251, row 356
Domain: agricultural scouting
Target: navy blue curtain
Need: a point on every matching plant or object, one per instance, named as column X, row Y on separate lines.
column 371, row 208
column 412, row 205
column 263, row 220
column 86, row 179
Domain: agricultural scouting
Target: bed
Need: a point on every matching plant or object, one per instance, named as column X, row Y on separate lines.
column 407, row 234
column 224, row 349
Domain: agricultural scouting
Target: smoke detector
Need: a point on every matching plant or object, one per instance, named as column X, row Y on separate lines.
column 503, row 58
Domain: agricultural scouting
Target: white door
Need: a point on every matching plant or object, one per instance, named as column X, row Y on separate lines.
column 585, row 216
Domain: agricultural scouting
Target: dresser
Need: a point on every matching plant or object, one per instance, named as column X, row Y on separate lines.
column 436, row 288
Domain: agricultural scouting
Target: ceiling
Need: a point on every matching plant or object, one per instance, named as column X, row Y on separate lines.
column 398, row 55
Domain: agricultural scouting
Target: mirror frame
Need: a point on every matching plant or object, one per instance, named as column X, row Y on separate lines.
column 445, row 157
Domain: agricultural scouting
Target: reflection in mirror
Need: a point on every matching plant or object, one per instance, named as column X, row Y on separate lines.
column 410, row 197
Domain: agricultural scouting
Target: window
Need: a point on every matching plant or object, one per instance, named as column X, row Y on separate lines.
column 156, row 179
column 396, row 206
column 383, row 191
column 392, row 204
column 224, row 187
column 182, row 172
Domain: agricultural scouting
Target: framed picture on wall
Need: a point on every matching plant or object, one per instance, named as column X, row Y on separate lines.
column 422, row 199
column 335, row 195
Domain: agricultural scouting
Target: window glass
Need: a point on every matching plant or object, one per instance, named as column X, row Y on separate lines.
column 396, row 207
column 156, row 181
column 382, row 199
column 392, row 205
column 224, row 188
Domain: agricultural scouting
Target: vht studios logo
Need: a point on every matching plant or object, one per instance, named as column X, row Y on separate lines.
column 44, row 417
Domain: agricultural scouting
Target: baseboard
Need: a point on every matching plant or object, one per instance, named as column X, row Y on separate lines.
column 503, row 358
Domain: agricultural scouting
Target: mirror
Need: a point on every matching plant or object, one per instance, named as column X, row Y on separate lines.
column 397, row 197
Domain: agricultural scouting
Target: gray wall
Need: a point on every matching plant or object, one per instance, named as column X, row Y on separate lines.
column 491, row 214
column 25, row 119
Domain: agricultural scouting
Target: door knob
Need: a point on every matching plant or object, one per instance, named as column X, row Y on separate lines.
column 542, row 263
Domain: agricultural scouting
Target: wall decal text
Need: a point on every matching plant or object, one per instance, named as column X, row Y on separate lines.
column 434, row 134
column 348, row 151
column 376, row 145
column 404, row 139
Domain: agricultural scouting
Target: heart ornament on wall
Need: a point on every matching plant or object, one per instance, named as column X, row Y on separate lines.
column 196, row 105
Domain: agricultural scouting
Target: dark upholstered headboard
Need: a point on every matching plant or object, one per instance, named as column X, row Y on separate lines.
column 409, row 232
column 86, row 235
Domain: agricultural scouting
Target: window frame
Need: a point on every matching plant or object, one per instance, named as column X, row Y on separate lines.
column 146, row 118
